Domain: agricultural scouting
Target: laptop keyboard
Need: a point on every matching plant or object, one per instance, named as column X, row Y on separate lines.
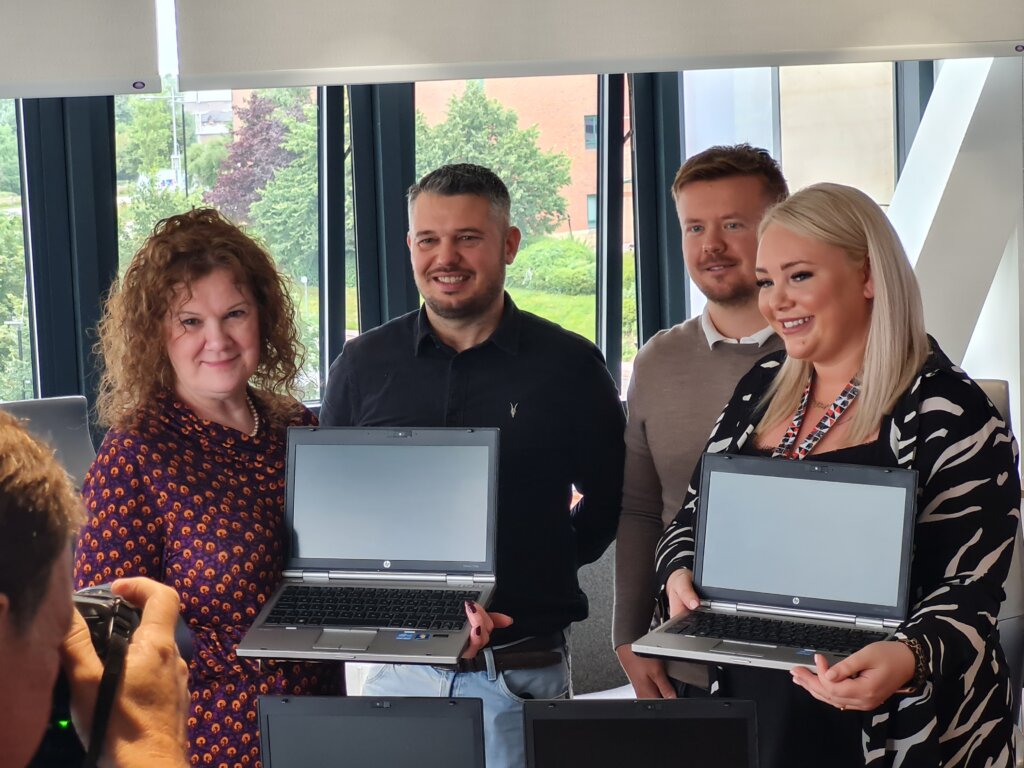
column 728, row 626
column 327, row 606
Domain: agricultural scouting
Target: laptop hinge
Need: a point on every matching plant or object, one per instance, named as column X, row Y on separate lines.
column 796, row 613
column 864, row 621
column 389, row 576
column 459, row 578
column 720, row 605
column 314, row 576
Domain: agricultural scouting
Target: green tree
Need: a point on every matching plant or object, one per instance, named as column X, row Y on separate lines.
column 145, row 132
column 480, row 130
column 204, row 162
column 286, row 214
column 149, row 203
column 10, row 180
column 15, row 357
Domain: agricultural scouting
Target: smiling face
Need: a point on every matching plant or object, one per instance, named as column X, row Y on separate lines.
column 213, row 339
column 459, row 249
column 719, row 222
column 816, row 297
column 29, row 660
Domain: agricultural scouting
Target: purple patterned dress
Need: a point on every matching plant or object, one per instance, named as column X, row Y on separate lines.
column 200, row 507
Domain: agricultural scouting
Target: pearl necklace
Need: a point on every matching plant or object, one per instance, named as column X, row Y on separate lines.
column 255, row 416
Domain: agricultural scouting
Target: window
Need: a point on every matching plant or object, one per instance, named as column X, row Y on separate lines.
column 16, row 380
column 591, row 211
column 252, row 154
column 526, row 130
column 590, row 131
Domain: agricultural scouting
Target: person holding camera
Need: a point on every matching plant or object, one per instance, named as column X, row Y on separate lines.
column 202, row 359
column 40, row 631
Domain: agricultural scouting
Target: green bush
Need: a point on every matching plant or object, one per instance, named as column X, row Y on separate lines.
column 555, row 265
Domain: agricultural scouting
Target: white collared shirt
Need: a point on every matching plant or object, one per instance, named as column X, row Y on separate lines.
column 714, row 336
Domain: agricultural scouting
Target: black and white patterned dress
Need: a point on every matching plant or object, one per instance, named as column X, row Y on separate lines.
column 968, row 512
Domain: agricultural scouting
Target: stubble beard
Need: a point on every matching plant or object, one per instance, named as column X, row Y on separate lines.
column 469, row 308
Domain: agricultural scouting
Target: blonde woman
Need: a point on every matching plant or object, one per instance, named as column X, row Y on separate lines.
column 836, row 285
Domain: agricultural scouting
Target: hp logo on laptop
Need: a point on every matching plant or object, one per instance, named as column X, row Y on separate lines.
column 796, row 601
column 387, row 563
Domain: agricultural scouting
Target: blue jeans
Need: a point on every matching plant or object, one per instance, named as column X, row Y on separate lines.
column 502, row 694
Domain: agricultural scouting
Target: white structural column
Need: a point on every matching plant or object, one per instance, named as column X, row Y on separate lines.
column 959, row 208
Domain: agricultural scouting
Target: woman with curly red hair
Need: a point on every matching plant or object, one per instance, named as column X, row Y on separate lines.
column 201, row 357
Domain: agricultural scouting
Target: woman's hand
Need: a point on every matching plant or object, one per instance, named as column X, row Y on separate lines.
column 862, row 681
column 679, row 589
column 481, row 625
column 646, row 675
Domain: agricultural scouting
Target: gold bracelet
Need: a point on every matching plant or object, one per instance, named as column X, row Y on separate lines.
column 920, row 664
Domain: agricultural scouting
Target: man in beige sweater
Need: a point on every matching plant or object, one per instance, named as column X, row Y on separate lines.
column 682, row 379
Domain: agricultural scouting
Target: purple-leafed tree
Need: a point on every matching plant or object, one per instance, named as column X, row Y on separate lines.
column 253, row 157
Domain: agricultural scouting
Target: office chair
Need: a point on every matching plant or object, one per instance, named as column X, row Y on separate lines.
column 1011, row 614
column 63, row 423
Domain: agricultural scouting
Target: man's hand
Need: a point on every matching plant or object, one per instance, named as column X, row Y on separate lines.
column 681, row 596
column 147, row 725
column 481, row 625
column 647, row 675
column 861, row 681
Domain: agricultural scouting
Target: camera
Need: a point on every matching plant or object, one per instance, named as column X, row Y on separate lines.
column 111, row 621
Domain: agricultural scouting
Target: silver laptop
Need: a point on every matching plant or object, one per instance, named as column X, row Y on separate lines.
column 793, row 558
column 612, row 733
column 369, row 732
column 392, row 530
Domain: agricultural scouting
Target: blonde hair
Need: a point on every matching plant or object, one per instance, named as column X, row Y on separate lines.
column 182, row 249
column 897, row 344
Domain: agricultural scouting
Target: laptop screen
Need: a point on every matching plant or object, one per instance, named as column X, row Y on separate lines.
column 816, row 535
column 697, row 733
column 362, row 498
column 368, row 732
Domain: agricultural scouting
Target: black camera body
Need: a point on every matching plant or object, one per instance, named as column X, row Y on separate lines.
column 108, row 617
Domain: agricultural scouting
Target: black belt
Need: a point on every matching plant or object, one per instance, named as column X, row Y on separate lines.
column 530, row 653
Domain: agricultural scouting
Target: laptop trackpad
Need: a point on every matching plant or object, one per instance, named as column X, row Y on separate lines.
column 344, row 640
column 739, row 648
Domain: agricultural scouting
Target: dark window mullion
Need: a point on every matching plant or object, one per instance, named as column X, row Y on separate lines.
column 332, row 225
column 661, row 277
column 610, row 105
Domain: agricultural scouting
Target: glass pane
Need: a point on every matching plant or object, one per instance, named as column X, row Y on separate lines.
column 534, row 133
column 838, row 125
column 250, row 154
column 630, row 332
column 351, row 271
column 16, row 380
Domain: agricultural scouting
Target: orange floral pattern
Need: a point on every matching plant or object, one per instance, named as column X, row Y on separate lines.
column 200, row 507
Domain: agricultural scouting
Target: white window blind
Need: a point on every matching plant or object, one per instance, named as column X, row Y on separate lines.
column 262, row 43
column 77, row 48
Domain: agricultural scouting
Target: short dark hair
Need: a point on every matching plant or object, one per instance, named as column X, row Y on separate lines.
column 465, row 179
column 39, row 513
column 722, row 162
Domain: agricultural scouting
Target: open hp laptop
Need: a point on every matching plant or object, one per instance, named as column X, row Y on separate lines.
column 368, row 732
column 612, row 733
column 793, row 558
column 392, row 530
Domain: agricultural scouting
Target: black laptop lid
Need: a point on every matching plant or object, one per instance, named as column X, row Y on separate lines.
column 369, row 732
column 612, row 733
column 388, row 499
column 805, row 535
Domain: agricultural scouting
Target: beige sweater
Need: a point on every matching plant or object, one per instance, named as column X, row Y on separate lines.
column 678, row 388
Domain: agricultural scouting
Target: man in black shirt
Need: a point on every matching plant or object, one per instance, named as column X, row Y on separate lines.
column 470, row 358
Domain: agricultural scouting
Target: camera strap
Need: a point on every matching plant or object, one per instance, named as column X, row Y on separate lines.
column 113, row 666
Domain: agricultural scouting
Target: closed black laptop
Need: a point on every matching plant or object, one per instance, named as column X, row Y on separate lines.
column 368, row 732
column 614, row 733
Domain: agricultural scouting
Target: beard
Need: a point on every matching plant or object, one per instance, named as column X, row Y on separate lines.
column 736, row 295
column 466, row 308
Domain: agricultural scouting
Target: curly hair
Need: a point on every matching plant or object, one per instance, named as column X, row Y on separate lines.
column 182, row 249
column 39, row 513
